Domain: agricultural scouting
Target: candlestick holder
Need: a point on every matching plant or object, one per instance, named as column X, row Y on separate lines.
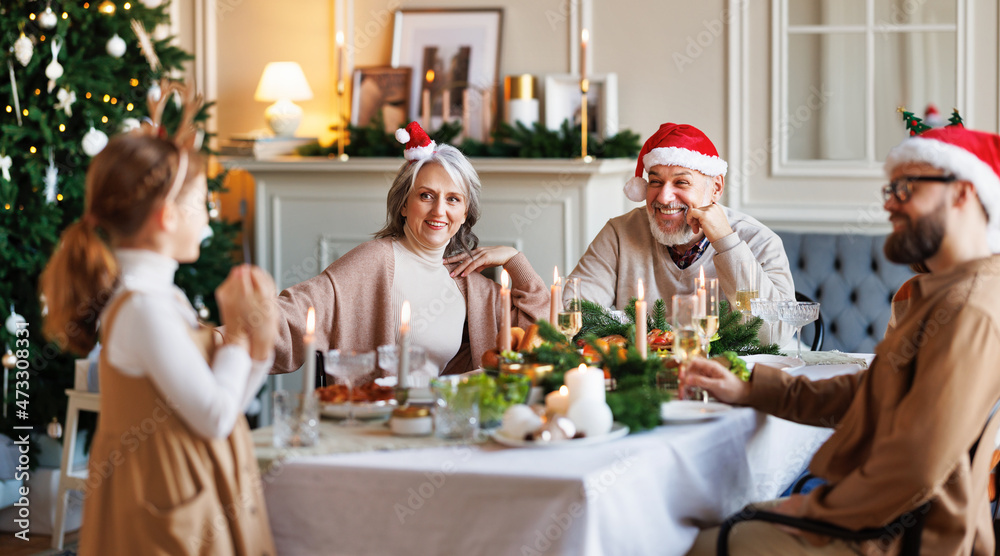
column 584, row 89
column 342, row 113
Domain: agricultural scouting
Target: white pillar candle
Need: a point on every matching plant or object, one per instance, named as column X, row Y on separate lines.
column 555, row 299
column 557, row 403
column 309, row 370
column 402, row 372
column 584, row 382
column 505, row 338
column 446, row 106
column 640, row 323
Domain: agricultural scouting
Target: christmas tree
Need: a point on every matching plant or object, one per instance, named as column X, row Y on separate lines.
column 74, row 73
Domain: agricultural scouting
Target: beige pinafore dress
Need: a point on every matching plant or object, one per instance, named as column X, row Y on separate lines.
column 155, row 487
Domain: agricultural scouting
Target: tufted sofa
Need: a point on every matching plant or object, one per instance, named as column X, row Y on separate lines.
column 852, row 280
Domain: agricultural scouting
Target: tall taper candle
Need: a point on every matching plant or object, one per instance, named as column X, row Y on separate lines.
column 584, row 39
column 402, row 374
column 446, row 106
column 309, row 370
column 426, row 101
column 505, row 339
column 555, row 300
column 640, row 322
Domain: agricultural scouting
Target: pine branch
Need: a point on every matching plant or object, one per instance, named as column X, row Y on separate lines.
column 659, row 315
column 599, row 321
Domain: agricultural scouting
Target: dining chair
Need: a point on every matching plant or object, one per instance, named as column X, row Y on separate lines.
column 818, row 326
column 911, row 522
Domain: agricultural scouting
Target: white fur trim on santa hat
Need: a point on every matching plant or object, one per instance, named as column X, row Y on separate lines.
column 676, row 156
column 402, row 136
column 956, row 160
column 635, row 189
column 420, row 153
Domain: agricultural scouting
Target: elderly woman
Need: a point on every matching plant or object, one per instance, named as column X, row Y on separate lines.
column 426, row 254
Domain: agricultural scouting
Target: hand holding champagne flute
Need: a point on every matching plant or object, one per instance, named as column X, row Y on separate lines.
column 685, row 312
column 707, row 321
column 570, row 319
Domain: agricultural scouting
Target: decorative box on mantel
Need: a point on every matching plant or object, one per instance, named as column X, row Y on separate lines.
column 309, row 212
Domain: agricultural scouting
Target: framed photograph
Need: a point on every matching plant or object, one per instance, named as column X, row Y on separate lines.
column 384, row 90
column 563, row 100
column 455, row 52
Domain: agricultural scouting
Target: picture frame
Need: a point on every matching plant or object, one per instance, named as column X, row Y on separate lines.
column 462, row 48
column 381, row 88
column 563, row 99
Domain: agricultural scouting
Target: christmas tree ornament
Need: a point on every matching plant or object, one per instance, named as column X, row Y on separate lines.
column 199, row 305
column 94, row 141
column 8, row 360
column 48, row 19
column 5, row 163
column 54, row 70
column 23, row 49
column 13, row 88
column 213, row 205
column 956, row 119
column 14, row 322
column 115, row 46
column 161, row 32
column 66, row 99
column 154, row 92
column 128, row 124
column 51, row 180
column 151, row 3
column 54, row 429
column 107, row 7
column 145, row 44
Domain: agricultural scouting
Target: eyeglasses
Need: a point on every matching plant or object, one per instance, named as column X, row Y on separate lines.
column 902, row 188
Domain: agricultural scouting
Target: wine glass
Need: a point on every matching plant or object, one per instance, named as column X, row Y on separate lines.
column 685, row 312
column 388, row 361
column 767, row 311
column 747, row 285
column 349, row 366
column 798, row 314
column 570, row 319
column 707, row 321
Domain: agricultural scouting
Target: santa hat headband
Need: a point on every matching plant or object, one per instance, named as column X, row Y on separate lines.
column 970, row 155
column 675, row 145
column 418, row 145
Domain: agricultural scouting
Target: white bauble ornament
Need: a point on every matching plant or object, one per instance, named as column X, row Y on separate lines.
column 94, row 141
column 591, row 416
column 8, row 360
column 54, row 70
column 161, row 32
column 23, row 49
column 115, row 46
column 128, row 124
column 154, row 92
column 54, row 429
column 13, row 321
column 48, row 18
column 151, row 3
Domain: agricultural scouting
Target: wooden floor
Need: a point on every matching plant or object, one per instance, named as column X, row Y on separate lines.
column 36, row 545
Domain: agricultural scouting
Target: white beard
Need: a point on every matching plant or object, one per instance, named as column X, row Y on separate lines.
column 682, row 236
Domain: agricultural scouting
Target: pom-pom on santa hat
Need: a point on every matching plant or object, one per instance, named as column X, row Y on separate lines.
column 675, row 145
column 418, row 145
column 970, row 155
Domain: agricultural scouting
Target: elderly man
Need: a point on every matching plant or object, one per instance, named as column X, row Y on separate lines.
column 904, row 427
column 681, row 231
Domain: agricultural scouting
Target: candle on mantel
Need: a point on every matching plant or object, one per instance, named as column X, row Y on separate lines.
column 309, row 370
column 640, row 322
column 505, row 339
column 584, row 39
column 340, row 62
column 426, row 100
column 702, row 296
column 584, row 382
column 557, row 402
column 466, row 112
column 487, row 112
column 446, row 106
column 340, row 95
column 402, row 373
column 555, row 300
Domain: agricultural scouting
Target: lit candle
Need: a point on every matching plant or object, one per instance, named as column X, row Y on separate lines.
column 446, row 106
column 584, row 382
column 555, row 300
column 466, row 112
column 584, row 39
column 426, row 100
column 309, row 370
column 557, row 402
column 340, row 62
column 402, row 379
column 504, row 312
column 487, row 123
column 702, row 297
column 640, row 322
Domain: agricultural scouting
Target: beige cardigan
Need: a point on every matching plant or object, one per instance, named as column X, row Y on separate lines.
column 352, row 296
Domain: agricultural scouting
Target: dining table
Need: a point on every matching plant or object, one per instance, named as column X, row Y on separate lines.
column 646, row 493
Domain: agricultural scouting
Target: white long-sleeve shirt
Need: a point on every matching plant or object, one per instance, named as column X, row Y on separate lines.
column 150, row 337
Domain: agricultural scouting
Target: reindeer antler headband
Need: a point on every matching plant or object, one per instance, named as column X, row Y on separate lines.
column 187, row 136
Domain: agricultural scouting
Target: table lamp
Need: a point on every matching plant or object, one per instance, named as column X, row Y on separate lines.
column 283, row 82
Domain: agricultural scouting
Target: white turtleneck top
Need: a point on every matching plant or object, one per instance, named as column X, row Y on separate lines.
column 150, row 338
column 437, row 307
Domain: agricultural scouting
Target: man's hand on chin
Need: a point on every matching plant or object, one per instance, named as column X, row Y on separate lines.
column 711, row 220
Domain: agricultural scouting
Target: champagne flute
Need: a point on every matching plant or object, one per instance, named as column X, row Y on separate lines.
column 707, row 322
column 570, row 319
column 767, row 311
column 747, row 285
column 798, row 314
column 685, row 311
column 349, row 366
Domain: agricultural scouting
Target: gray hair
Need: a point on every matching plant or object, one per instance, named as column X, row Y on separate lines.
column 461, row 172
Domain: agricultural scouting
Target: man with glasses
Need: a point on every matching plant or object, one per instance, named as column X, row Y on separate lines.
column 903, row 428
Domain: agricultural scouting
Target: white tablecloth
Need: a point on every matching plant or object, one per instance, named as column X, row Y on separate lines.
column 643, row 494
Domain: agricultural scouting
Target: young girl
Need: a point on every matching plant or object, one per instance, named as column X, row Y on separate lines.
column 172, row 469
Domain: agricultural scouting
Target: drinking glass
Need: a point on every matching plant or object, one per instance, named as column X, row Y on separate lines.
column 685, row 312
column 707, row 321
column 798, row 314
column 570, row 319
column 296, row 419
column 456, row 407
column 767, row 311
column 747, row 285
column 349, row 366
column 388, row 361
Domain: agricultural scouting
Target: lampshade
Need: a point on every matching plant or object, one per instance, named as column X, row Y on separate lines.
column 283, row 81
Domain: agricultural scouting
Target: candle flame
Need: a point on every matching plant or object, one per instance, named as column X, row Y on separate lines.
column 563, row 391
column 311, row 321
column 405, row 313
column 340, row 38
column 585, row 36
column 430, row 76
column 701, row 277
column 583, row 368
column 555, row 275
column 642, row 292
column 504, row 280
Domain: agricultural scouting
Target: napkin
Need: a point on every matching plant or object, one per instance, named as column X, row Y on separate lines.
column 834, row 357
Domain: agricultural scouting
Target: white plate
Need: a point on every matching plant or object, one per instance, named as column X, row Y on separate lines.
column 362, row 410
column 783, row 362
column 683, row 411
column 618, row 430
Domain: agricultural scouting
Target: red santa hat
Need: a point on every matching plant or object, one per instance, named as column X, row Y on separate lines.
column 970, row 155
column 675, row 145
column 418, row 145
